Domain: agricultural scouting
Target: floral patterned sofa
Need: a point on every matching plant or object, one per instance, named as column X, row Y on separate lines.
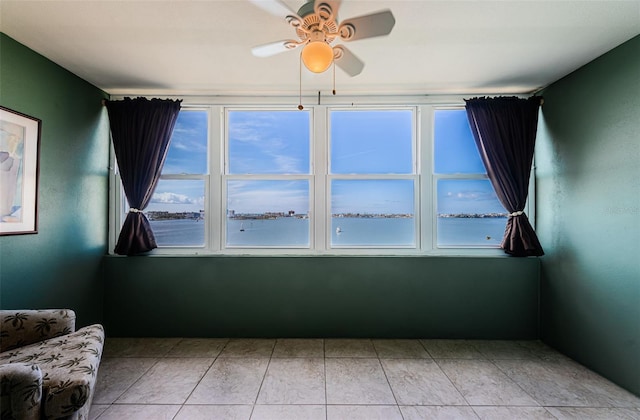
column 47, row 369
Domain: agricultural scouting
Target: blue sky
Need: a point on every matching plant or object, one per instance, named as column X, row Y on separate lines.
column 188, row 149
column 454, row 146
column 362, row 142
column 268, row 142
column 372, row 142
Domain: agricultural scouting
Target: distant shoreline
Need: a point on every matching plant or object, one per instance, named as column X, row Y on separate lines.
column 474, row 215
column 157, row 216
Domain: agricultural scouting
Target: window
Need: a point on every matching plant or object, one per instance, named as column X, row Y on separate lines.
column 268, row 178
column 176, row 211
column 468, row 211
column 373, row 178
column 328, row 179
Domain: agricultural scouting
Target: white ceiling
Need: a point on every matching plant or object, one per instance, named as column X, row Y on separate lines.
column 185, row 47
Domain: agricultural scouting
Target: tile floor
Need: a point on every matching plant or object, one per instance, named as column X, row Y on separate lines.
column 308, row 379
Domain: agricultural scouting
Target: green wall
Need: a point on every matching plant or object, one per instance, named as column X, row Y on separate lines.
column 323, row 296
column 60, row 265
column 588, row 214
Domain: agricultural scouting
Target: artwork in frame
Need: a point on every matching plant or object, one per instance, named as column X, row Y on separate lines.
column 19, row 160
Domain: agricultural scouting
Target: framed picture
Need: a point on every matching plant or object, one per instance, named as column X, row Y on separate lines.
column 19, row 159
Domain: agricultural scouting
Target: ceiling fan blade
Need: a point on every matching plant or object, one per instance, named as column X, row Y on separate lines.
column 326, row 8
column 347, row 61
column 275, row 7
column 273, row 48
column 367, row 26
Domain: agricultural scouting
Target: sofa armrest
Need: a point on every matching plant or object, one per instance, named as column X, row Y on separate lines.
column 20, row 391
column 22, row 327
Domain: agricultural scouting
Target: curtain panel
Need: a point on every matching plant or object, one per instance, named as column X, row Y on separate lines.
column 504, row 129
column 141, row 131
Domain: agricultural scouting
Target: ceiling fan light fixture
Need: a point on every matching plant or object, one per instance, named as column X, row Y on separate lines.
column 317, row 56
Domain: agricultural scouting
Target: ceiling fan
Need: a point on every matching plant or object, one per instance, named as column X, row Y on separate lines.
column 317, row 27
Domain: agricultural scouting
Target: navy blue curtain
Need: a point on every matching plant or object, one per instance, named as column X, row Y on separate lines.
column 504, row 130
column 141, row 131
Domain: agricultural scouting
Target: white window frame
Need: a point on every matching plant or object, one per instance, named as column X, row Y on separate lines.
column 413, row 176
column 226, row 176
column 320, row 180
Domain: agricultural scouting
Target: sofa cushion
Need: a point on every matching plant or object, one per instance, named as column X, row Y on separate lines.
column 69, row 365
column 21, row 328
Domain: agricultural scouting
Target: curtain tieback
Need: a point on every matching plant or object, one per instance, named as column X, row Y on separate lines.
column 516, row 213
column 134, row 210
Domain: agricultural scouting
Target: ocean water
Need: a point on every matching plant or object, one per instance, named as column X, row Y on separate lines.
column 345, row 232
column 474, row 232
column 285, row 231
column 356, row 231
column 178, row 232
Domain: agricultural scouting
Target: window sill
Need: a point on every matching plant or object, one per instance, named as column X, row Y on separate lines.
column 269, row 253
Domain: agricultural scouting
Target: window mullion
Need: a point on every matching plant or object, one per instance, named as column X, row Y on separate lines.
column 320, row 164
column 217, row 197
column 427, row 181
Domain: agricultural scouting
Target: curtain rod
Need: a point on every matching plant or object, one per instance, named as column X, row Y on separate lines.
column 104, row 101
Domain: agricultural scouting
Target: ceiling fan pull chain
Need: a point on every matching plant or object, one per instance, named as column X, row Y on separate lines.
column 300, row 107
column 334, row 77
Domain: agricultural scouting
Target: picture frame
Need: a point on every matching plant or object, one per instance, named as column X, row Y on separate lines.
column 19, row 172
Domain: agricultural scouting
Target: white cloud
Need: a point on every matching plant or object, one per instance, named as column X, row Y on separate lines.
column 259, row 197
column 171, row 198
column 470, row 195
